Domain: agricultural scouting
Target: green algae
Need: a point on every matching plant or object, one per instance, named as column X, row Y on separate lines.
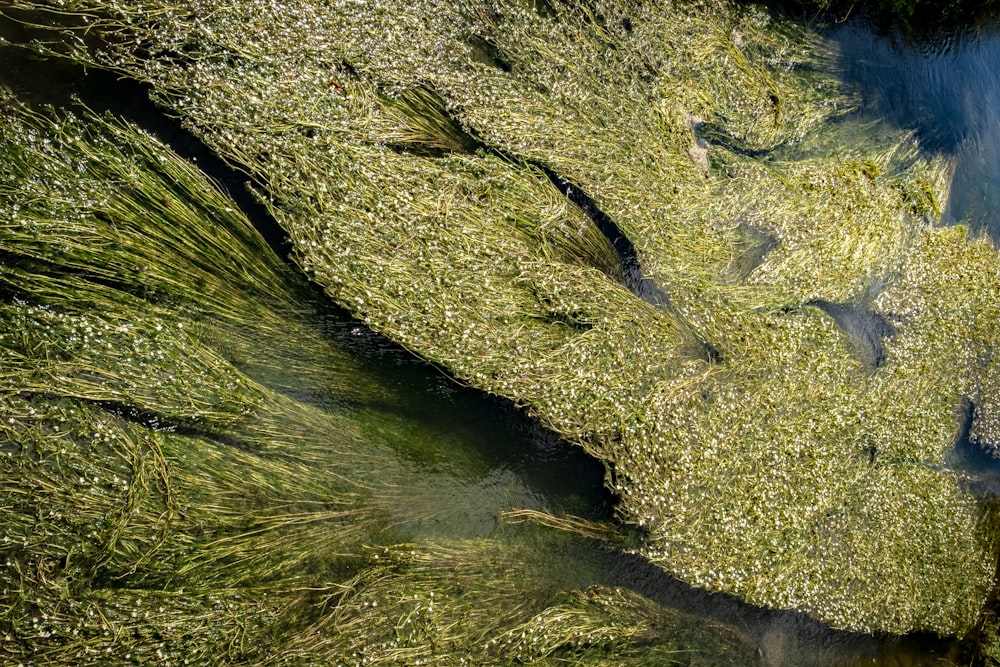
column 783, row 469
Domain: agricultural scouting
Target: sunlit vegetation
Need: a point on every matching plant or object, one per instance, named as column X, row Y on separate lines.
column 166, row 500
column 780, row 428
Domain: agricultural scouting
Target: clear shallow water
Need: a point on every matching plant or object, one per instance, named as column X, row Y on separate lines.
column 481, row 456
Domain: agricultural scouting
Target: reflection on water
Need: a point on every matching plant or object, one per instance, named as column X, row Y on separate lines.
column 948, row 92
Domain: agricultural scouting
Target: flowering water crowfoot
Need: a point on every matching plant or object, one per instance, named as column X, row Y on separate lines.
column 762, row 456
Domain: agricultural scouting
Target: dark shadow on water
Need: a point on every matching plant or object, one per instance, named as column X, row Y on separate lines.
column 632, row 275
column 974, row 461
column 865, row 328
column 783, row 637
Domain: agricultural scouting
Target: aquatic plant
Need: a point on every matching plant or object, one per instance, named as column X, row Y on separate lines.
column 167, row 499
column 780, row 428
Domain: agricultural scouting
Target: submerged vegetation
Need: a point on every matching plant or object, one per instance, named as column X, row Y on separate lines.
column 166, row 498
column 779, row 426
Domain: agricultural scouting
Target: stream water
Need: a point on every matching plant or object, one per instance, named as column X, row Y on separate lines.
column 948, row 93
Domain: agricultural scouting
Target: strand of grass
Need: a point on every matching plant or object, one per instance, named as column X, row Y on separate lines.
column 156, row 191
column 135, row 546
column 597, row 530
column 125, row 239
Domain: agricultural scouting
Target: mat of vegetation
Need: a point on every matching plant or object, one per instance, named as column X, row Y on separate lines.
column 166, row 498
column 780, row 428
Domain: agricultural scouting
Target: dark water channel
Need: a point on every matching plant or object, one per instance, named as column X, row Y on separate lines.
column 948, row 93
